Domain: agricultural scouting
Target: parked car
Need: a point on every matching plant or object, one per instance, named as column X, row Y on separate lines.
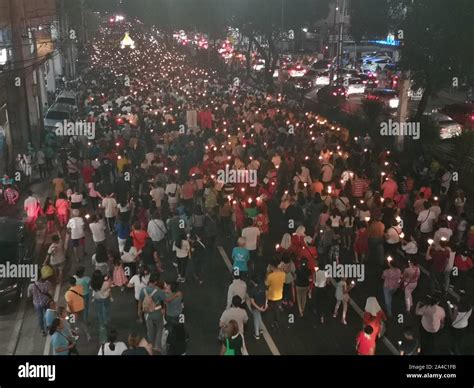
column 68, row 98
column 322, row 65
column 461, row 113
column 57, row 113
column 373, row 65
column 448, row 128
column 297, row 71
column 302, row 83
column 354, row 86
column 17, row 244
column 323, row 79
column 332, row 95
column 388, row 97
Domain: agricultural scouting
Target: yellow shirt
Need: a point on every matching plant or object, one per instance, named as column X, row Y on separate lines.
column 75, row 303
column 121, row 163
column 275, row 281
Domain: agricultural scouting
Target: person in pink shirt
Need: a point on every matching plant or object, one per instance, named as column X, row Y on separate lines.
column 392, row 277
column 62, row 209
column 390, row 188
column 401, row 200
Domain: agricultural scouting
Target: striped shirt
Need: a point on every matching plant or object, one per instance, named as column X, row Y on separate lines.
column 359, row 187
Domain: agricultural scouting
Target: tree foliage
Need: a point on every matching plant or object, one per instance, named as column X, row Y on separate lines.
column 435, row 38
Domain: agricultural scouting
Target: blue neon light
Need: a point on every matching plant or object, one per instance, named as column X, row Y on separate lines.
column 386, row 42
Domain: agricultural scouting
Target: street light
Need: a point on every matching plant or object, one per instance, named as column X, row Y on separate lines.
column 305, row 29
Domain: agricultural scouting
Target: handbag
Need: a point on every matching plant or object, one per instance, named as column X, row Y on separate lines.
column 50, row 298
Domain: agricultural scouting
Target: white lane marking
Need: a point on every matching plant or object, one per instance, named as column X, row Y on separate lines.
column 360, row 313
column 266, row 335
column 20, row 316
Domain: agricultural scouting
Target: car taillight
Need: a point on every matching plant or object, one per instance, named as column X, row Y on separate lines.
column 472, row 117
column 334, row 93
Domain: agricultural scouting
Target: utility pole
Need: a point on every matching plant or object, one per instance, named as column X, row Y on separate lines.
column 333, row 41
column 340, row 45
column 402, row 112
column 83, row 23
column 282, row 15
column 17, row 100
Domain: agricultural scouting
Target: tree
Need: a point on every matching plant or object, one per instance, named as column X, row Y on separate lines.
column 369, row 18
column 260, row 21
column 432, row 50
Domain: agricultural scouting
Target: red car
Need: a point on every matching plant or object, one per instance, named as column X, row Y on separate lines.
column 461, row 113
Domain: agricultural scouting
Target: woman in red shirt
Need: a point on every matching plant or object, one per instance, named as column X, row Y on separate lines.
column 361, row 243
column 302, row 250
column 139, row 236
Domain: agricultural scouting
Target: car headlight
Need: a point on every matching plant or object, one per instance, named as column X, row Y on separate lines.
column 10, row 288
column 393, row 103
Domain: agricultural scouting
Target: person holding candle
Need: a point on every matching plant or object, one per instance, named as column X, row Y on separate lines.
column 342, row 297
column 410, row 278
column 392, row 278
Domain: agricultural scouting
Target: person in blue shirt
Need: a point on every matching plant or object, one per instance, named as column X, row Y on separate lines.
column 59, row 341
column 85, row 282
column 50, row 314
column 240, row 257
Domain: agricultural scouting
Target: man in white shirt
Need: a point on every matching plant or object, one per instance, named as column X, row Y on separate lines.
column 426, row 220
column 157, row 194
column 235, row 313
column 97, row 228
column 32, row 209
column 251, row 234
column 435, row 208
column 237, row 287
column 76, row 229
column 110, row 210
column 173, row 191
column 56, row 257
column 157, row 232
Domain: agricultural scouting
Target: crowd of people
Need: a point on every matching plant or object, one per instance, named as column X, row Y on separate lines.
column 166, row 127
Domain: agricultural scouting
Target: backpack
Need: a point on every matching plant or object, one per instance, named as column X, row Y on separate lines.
column 149, row 305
